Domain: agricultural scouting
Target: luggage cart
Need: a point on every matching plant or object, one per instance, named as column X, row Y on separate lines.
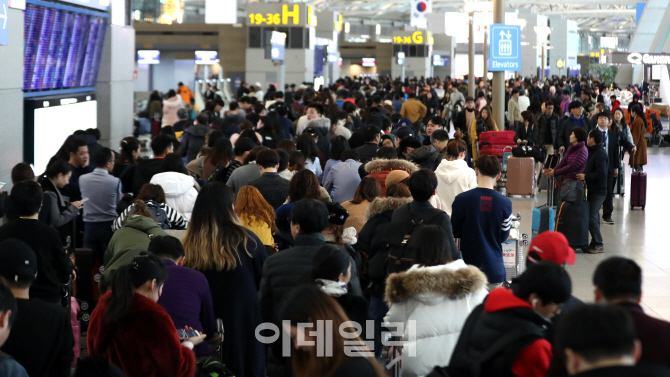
column 513, row 256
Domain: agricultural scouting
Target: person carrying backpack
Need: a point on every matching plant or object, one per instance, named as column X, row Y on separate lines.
column 505, row 336
column 154, row 197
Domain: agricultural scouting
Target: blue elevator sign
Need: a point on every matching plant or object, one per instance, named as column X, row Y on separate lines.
column 505, row 54
column 4, row 31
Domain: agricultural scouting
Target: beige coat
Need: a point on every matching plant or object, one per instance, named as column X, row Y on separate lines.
column 356, row 217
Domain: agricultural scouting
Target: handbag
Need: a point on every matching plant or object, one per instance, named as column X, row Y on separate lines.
column 573, row 191
column 534, row 152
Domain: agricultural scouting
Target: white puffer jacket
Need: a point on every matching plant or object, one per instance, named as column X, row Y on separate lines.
column 439, row 300
column 180, row 192
column 453, row 178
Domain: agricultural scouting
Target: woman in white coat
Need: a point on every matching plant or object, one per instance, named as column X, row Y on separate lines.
column 437, row 294
column 453, row 174
column 181, row 190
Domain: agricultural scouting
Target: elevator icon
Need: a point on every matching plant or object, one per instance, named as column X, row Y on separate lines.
column 505, row 43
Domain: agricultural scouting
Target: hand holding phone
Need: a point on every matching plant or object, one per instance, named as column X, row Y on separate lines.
column 84, row 200
column 193, row 336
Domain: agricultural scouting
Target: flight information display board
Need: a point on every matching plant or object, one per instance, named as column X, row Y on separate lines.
column 62, row 47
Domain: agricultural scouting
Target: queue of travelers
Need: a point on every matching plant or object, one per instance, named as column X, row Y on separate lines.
column 246, row 231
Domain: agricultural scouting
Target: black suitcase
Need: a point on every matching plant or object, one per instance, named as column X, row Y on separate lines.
column 85, row 290
column 573, row 221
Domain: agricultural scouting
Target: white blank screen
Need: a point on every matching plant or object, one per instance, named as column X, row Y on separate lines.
column 54, row 124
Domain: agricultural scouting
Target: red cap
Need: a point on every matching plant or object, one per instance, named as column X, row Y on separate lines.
column 551, row 246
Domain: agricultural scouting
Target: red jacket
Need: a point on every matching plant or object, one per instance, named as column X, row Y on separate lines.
column 534, row 360
column 147, row 345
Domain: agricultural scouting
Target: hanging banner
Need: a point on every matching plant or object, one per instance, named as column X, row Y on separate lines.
column 419, row 9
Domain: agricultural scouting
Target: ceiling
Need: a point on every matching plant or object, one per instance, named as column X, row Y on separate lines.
column 590, row 15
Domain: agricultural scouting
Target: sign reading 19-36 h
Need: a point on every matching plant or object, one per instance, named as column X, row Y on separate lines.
column 505, row 52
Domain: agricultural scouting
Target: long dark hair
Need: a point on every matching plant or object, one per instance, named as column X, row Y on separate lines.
column 304, row 185
column 57, row 167
column 615, row 125
column 215, row 232
column 128, row 145
column 172, row 162
column 329, row 262
column 307, row 146
column 222, row 153
column 433, row 248
column 338, row 145
column 144, row 267
column 489, row 119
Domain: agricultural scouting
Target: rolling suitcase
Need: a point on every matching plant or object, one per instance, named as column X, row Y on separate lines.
column 638, row 189
column 573, row 222
column 543, row 219
column 620, row 181
column 494, row 142
column 84, row 293
column 513, row 258
column 550, row 163
column 521, row 176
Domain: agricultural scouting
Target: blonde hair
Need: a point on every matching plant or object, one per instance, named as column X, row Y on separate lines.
column 215, row 232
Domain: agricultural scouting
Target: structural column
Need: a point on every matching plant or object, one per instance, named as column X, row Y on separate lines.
column 471, row 55
column 498, row 90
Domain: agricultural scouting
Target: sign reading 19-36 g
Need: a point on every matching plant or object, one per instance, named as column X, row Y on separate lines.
column 505, row 54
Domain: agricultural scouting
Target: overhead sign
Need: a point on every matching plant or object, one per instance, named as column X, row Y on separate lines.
column 221, row 11
column 640, row 58
column 505, row 54
column 97, row 4
column 419, row 9
column 148, row 57
column 261, row 14
column 369, row 62
column 4, row 30
column 401, row 58
column 206, row 57
column 560, row 64
column 276, row 46
column 413, row 38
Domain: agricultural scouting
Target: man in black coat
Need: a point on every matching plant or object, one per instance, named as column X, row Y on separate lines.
column 576, row 119
column 600, row 340
column 273, row 187
column 161, row 146
column 612, row 146
column 548, row 125
column 595, row 176
column 368, row 150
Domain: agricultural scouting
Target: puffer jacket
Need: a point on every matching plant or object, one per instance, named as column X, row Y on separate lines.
column 453, row 178
column 127, row 243
column 573, row 163
column 426, row 157
column 377, row 215
column 424, row 295
column 379, row 169
column 170, row 107
column 180, row 192
column 192, row 140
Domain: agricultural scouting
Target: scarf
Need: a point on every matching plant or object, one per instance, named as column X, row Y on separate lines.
column 332, row 288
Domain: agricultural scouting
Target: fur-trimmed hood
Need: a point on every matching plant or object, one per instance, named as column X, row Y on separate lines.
column 381, row 205
column 429, row 285
column 322, row 122
column 384, row 164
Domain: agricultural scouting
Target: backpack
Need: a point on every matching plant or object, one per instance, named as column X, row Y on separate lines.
column 211, row 367
column 158, row 214
column 458, row 107
column 401, row 241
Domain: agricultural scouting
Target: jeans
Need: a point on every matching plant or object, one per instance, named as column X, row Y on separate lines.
column 608, row 205
column 97, row 236
column 595, row 202
column 376, row 312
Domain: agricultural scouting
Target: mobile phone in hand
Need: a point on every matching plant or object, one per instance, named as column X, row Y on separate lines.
column 187, row 334
column 84, row 200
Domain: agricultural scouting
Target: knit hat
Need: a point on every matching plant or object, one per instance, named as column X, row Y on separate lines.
column 17, row 261
column 337, row 215
column 388, row 136
column 551, row 246
column 395, row 176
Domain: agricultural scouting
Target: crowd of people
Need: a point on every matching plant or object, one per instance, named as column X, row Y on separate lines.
column 298, row 208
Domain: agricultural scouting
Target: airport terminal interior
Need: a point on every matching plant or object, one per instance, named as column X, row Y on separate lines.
column 470, row 187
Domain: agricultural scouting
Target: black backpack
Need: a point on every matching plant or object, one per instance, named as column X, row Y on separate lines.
column 401, row 243
column 158, row 214
column 212, row 367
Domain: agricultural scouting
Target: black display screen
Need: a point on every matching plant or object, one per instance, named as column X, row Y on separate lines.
column 62, row 48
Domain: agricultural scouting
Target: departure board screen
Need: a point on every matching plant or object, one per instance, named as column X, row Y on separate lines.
column 62, row 48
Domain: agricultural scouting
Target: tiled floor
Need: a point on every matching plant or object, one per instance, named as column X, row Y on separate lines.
column 643, row 236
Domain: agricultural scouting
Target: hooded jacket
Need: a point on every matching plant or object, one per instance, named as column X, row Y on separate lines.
column 501, row 315
column 192, row 140
column 321, row 126
column 146, row 169
column 424, row 295
column 180, row 192
column 170, row 107
column 147, row 345
column 127, row 243
column 426, row 157
column 379, row 169
column 453, row 178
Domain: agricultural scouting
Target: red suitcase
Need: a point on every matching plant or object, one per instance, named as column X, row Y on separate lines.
column 494, row 142
column 638, row 189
